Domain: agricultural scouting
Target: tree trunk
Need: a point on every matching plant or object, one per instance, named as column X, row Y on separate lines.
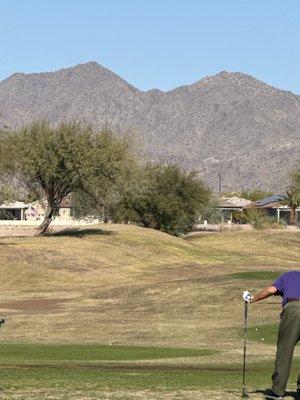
column 47, row 220
column 104, row 215
column 293, row 216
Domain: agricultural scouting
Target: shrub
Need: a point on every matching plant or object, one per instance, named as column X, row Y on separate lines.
column 257, row 218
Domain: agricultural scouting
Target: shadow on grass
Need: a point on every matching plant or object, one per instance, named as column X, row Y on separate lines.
column 295, row 395
column 267, row 392
column 80, row 233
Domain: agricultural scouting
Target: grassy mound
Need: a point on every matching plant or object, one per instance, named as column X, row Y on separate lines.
column 167, row 306
column 127, row 285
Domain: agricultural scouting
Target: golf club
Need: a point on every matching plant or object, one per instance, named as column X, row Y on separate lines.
column 245, row 395
column 2, row 321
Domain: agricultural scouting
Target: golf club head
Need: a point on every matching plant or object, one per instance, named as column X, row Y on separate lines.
column 245, row 396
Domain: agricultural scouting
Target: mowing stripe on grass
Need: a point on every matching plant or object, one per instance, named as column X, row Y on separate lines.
column 266, row 333
column 256, row 275
column 258, row 376
column 40, row 353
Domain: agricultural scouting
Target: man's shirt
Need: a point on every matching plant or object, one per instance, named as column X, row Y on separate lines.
column 288, row 286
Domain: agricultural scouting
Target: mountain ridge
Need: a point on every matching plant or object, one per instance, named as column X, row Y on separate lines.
column 229, row 123
column 97, row 66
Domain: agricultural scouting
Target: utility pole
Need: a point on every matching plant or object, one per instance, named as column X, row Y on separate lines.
column 220, row 184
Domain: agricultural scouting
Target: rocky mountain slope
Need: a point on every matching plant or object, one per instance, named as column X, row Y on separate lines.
column 229, row 123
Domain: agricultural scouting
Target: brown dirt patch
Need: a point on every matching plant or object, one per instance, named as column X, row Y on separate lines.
column 17, row 231
column 32, row 306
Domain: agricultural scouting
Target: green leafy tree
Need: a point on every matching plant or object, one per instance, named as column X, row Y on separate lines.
column 112, row 168
column 7, row 194
column 211, row 212
column 171, row 200
column 292, row 196
column 130, row 192
column 292, row 200
column 255, row 194
column 250, row 194
column 256, row 217
column 58, row 160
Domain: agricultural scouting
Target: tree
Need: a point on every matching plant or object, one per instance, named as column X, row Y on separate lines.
column 255, row 194
column 292, row 196
column 56, row 161
column 112, row 174
column 292, row 200
column 7, row 194
column 211, row 212
column 250, row 194
column 171, row 200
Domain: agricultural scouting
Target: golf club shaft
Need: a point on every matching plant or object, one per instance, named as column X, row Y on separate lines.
column 245, row 346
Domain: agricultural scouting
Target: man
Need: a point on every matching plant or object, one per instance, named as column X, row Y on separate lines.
column 287, row 286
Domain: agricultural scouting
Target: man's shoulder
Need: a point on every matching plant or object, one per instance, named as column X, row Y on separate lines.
column 293, row 272
column 291, row 275
column 288, row 275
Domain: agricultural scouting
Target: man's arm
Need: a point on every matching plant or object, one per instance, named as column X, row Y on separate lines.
column 267, row 292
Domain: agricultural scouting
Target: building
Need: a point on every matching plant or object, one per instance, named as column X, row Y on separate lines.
column 229, row 205
column 13, row 211
column 36, row 210
column 19, row 211
column 274, row 208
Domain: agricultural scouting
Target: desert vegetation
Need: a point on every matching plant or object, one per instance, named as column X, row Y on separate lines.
column 100, row 170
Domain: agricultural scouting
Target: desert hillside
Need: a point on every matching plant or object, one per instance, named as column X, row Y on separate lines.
column 229, row 123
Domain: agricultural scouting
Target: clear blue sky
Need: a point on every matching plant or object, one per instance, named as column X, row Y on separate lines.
column 155, row 43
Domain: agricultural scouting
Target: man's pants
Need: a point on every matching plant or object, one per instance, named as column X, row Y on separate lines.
column 288, row 336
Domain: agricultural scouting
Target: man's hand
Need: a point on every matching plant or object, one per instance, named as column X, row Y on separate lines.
column 247, row 296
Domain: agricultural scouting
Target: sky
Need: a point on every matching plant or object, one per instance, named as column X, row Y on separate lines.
column 155, row 43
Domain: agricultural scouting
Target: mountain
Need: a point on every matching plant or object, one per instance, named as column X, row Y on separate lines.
column 229, row 123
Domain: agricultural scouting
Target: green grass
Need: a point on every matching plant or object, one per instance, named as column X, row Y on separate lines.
column 256, row 275
column 264, row 333
column 217, row 377
column 22, row 371
column 34, row 353
column 18, row 373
